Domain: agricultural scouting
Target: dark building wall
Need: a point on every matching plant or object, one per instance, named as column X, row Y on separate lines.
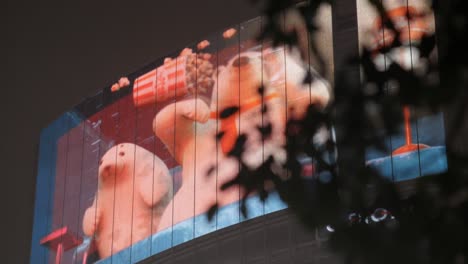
column 275, row 238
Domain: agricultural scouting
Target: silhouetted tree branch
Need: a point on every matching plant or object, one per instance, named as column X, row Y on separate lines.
column 372, row 219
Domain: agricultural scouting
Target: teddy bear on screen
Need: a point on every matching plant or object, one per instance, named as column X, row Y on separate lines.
column 188, row 127
column 134, row 188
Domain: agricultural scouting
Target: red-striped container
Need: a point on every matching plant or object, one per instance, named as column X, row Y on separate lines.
column 165, row 82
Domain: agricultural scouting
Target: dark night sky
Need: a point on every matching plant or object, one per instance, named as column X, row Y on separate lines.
column 58, row 52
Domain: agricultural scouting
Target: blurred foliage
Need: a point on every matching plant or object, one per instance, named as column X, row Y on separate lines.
column 368, row 218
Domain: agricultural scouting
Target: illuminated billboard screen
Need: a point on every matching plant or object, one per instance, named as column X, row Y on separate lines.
column 419, row 147
column 133, row 170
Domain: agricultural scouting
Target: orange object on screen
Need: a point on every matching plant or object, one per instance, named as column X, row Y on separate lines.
column 122, row 83
column 229, row 33
column 115, row 87
column 203, row 44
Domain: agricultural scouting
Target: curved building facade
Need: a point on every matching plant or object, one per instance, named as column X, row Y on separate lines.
column 129, row 174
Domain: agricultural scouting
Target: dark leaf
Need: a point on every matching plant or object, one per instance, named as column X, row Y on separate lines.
column 228, row 112
column 427, row 45
column 265, row 130
column 261, row 90
column 243, row 208
column 308, row 78
column 210, row 171
column 212, row 211
column 220, row 135
column 238, row 148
